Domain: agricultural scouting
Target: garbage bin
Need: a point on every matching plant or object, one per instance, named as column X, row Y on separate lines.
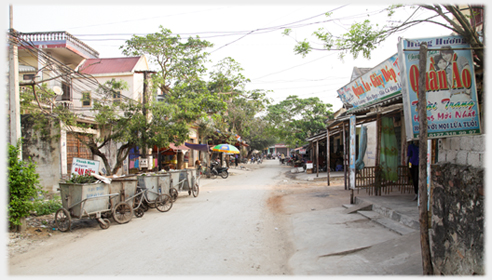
column 156, row 183
column 125, row 186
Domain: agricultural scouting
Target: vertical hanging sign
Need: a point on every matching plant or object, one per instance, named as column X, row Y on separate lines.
column 452, row 104
column 352, row 152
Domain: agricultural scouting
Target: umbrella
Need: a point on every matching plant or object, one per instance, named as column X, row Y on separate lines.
column 226, row 148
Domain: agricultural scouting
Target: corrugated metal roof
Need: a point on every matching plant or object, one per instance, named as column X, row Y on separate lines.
column 108, row 65
column 26, row 68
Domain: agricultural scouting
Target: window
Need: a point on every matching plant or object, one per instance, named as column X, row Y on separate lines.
column 86, row 99
column 67, row 92
column 28, row 77
column 117, row 97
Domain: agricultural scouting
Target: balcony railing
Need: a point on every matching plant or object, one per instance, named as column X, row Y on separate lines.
column 57, row 36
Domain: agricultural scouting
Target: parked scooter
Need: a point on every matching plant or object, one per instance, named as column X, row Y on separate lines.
column 215, row 171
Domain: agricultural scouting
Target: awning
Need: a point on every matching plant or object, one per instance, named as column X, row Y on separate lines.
column 198, row 147
column 173, row 149
column 178, row 148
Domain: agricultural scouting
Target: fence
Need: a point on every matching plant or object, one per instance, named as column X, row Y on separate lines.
column 370, row 178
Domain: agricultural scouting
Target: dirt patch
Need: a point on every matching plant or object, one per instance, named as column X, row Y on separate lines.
column 40, row 229
column 275, row 204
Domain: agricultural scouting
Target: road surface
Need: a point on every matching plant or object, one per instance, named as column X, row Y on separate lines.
column 229, row 229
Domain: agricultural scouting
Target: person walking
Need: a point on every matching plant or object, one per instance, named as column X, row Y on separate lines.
column 413, row 164
column 236, row 160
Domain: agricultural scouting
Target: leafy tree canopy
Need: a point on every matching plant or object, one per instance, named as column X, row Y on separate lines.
column 363, row 37
column 295, row 119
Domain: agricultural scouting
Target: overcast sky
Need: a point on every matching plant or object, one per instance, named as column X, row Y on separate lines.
column 249, row 33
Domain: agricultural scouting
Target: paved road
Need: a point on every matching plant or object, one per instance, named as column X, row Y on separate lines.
column 227, row 230
column 258, row 222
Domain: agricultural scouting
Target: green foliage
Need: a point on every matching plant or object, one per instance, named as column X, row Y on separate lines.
column 46, row 207
column 23, row 186
column 81, row 179
column 363, row 37
column 295, row 119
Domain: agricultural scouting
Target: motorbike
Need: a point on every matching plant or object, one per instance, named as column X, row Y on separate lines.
column 215, row 171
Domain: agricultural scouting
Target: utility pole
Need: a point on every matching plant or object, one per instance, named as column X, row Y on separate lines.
column 14, row 98
column 423, row 213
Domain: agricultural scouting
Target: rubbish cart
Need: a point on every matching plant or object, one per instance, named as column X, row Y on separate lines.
column 87, row 200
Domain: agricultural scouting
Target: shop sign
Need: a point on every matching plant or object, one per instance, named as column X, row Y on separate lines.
column 82, row 166
column 381, row 82
column 452, row 104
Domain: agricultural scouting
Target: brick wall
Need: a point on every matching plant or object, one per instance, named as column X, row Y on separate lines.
column 468, row 150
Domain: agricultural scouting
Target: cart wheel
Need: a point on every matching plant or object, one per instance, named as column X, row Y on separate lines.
column 104, row 224
column 122, row 213
column 173, row 192
column 139, row 212
column 163, row 203
column 224, row 174
column 196, row 190
column 63, row 220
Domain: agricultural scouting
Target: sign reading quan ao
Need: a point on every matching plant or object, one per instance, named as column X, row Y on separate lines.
column 381, row 82
column 452, row 105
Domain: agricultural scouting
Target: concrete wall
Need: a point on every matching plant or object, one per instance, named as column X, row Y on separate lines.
column 457, row 199
column 45, row 151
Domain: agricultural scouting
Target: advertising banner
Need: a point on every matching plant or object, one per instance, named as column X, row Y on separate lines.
column 452, row 105
column 81, row 166
column 379, row 83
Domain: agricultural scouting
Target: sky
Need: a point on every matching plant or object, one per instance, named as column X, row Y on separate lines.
column 250, row 33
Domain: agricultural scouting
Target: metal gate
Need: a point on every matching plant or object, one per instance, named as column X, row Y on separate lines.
column 76, row 149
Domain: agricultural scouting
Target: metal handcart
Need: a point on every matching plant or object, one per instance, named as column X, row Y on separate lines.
column 184, row 180
column 125, row 187
column 87, row 200
column 152, row 192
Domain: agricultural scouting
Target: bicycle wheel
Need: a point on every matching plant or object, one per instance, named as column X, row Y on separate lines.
column 195, row 190
column 122, row 213
column 164, row 203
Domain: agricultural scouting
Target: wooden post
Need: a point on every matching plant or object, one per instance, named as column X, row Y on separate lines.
column 317, row 158
column 328, row 156
column 377, row 183
column 423, row 213
column 345, row 158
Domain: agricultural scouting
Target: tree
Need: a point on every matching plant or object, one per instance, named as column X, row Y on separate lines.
column 259, row 136
column 295, row 119
column 363, row 37
column 177, row 61
column 243, row 106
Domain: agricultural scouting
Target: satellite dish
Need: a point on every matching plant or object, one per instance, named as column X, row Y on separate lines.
column 58, row 90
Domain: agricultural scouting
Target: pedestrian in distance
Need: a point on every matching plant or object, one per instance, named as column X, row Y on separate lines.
column 413, row 165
